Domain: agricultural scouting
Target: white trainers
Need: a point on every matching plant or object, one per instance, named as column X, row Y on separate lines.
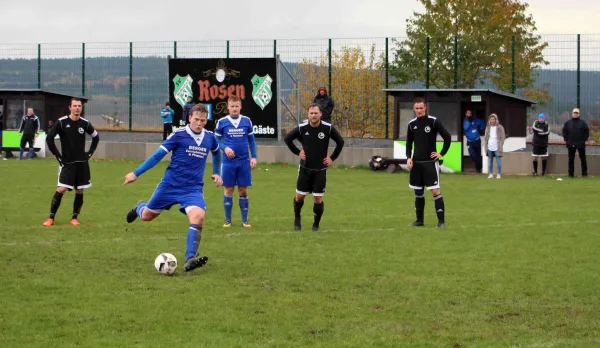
column 498, row 176
column 491, row 176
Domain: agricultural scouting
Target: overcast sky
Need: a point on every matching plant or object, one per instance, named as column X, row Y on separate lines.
column 48, row 21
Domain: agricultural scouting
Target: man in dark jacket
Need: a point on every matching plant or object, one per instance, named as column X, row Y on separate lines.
column 326, row 104
column 540, row 131
column 30, row 127
column 576, row 132
column 187, row 110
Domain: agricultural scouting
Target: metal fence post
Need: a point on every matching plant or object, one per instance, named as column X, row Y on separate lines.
column 387, row 81
column 427, row 56
column 83, row 68
column 455, row 62
column 329, row 63
column 275, row 48
column 39, row 66
column 175, row 49
column 130, row 85
column 227, row 49
column 578, row 70
column 513, row 87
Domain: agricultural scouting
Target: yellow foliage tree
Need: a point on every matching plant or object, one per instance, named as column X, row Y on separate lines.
column 357, row 81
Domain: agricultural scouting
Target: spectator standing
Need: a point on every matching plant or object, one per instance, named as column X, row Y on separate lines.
column 325, row 103
column 472, row 128
column 576, row 132
column 167, row 115
column 493, row 143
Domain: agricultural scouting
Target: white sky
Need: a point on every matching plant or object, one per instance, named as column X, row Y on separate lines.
column 44, row 21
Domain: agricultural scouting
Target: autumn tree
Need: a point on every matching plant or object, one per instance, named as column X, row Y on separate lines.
column 357, row 80
column 483, row 30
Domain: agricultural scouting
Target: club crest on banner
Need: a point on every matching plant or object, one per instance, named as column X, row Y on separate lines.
column 261, row 90
column 183, row 88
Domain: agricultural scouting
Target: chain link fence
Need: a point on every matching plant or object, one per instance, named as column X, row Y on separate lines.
column 128, row 82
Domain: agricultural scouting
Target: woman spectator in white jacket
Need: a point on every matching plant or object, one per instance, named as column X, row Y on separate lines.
column 493, row 143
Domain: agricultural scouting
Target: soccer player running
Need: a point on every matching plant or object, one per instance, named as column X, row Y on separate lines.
column 74, row 170
column 423, row 162
column 314, row 136
column 235, row 135
column 183, row 181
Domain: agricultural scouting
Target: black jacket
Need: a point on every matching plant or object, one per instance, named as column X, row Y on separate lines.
column 30, row 125
column 326, row 104
column 576, row 132
column 541, row 132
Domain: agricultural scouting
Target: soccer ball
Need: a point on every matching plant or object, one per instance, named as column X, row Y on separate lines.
column 165, row 263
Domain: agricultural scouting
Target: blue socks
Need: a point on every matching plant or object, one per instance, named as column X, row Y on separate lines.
column 193, row 241
column 228, row 205
column 244, row 208
column 140, row 207
column 21, row 150
column 31, row 153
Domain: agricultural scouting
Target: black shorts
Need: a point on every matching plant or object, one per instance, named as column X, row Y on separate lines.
column 425, row 175
column 539, row 151
column 75, row 176
column 27, row 140
column 311, row 181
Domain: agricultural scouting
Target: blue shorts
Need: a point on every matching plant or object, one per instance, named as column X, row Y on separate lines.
column 167, row 195
column 236, row 173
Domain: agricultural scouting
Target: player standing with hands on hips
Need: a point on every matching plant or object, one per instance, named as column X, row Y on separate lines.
column 183, row 181
column 74, row 170
column 423, row 162
column 314, row 136
column 235, row 135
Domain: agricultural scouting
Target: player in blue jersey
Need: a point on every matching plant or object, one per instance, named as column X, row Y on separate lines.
column 183, row 181
column 234, row 134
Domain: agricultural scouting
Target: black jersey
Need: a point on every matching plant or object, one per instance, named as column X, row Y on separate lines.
column 423, row 131
column 72, row 139
column 540, row 134
column 315, row 143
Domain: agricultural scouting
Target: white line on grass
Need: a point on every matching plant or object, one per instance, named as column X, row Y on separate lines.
column 287, row 232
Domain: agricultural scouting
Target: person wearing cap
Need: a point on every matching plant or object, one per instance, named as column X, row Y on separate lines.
column 576, row 132
column 541, row 131
column 167, row 115
column 326, row 104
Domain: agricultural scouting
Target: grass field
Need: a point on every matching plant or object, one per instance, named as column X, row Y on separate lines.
column 517, row 266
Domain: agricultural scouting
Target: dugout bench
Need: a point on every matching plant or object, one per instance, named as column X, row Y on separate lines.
column 11, row 142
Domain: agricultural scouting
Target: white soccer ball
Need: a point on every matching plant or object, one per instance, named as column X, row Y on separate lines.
column 166, row 263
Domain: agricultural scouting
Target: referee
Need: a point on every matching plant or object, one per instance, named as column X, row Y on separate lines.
column 74, row 170
column 423, row 162
column 314, row 136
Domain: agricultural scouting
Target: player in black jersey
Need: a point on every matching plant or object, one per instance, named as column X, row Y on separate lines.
column 423, row 162
column 74, row 170
column 314, row 136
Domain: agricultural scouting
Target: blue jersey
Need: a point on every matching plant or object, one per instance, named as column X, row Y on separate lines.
column 235, row 133
column 188, row 158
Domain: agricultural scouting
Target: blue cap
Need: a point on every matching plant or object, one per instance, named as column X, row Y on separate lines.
column 542, row 116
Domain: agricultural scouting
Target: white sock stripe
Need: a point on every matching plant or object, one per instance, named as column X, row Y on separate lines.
column 437, row 197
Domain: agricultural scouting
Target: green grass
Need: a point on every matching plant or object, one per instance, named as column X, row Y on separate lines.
column 517, row 265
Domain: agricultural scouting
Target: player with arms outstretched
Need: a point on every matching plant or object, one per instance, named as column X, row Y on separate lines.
column 314, row 136
column 235, row 135
column 183, row 181
column 424, row 163
column 74, row 170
